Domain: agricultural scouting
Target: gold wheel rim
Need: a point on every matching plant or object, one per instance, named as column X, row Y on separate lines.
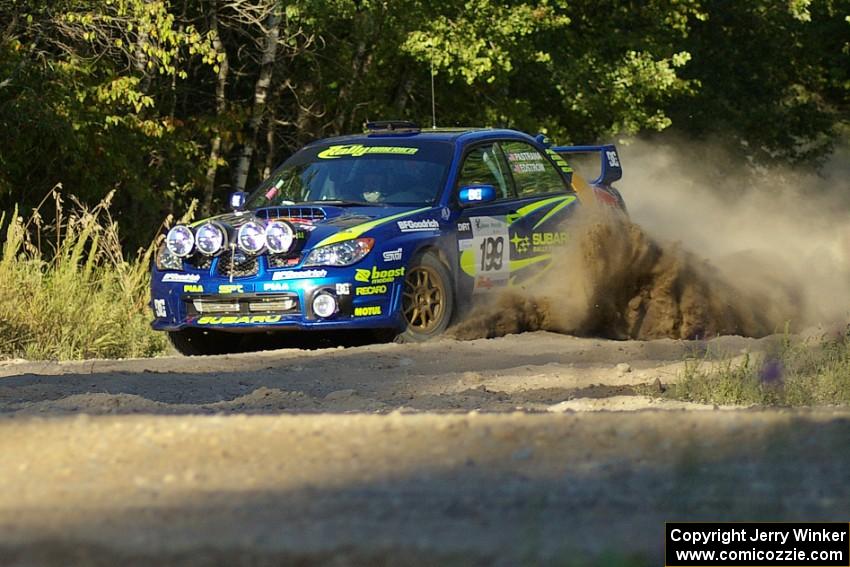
column 424, row 298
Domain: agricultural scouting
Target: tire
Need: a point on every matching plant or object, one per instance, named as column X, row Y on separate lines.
column 428, row 299
column 198, row 342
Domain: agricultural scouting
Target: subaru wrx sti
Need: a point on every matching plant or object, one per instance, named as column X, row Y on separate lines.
column 396, row 229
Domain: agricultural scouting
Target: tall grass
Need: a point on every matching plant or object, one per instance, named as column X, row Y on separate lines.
column 66, row 290
column 797, row 374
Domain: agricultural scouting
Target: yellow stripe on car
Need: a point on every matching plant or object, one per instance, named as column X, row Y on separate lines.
column 470, row 267
column 355, row 231
column 555, row 210
column 528, row 209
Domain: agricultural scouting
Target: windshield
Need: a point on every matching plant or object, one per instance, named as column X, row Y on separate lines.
column 380, row 172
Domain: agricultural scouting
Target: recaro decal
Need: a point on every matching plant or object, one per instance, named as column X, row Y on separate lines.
column 371, row 290
column 357, row 150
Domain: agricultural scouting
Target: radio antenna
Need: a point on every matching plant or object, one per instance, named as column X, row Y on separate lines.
column 433, row 99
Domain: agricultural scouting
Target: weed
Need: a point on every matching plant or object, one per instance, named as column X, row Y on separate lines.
column 797, row 374
column 66, row 290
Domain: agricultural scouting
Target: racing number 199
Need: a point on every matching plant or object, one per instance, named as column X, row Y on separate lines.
column 492, row 249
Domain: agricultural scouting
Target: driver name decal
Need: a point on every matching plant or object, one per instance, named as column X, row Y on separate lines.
column 357, row 150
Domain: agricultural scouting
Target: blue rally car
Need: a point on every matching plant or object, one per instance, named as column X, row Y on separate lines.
column 395, row 229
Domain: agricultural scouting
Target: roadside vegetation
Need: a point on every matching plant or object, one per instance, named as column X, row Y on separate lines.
column 798, row 374
column 66, row 289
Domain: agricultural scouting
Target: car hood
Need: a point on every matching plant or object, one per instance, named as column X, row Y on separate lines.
column 321, row 224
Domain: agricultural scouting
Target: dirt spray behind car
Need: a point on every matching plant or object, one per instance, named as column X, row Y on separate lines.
column 764, row 251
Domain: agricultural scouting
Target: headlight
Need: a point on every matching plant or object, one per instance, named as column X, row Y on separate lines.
column 251, row 237
column 279, row 237
column 167, row 260
column 179, row 241
column 341, row 254
column 210, row 239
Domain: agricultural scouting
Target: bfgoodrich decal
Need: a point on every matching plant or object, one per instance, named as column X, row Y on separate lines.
column 181, row 278
column 299, row 275
column 418, row 225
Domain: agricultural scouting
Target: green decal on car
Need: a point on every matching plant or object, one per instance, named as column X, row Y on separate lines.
column 355, row 231
column 357, row 150
column 564, row 200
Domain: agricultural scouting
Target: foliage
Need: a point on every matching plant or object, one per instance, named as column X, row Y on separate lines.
column 66, row 290
column 158, row 99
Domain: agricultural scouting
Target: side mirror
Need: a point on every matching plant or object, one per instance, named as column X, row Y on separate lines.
column 237, row 200
column 473, row 194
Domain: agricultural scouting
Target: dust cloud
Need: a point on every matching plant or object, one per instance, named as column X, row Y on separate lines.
column 712, row 247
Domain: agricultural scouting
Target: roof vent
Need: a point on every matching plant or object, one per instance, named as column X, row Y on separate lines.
column 392, row 127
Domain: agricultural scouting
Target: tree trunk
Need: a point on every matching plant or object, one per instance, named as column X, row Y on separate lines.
column 270, row 146
column 220, row 108
column 403, row 93
column 141, row 54
column 261, row 89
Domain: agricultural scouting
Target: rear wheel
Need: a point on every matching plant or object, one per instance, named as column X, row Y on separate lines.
column 195, row 342
column 427, row 301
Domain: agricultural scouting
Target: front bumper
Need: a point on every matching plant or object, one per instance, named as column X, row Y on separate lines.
column 266, row 304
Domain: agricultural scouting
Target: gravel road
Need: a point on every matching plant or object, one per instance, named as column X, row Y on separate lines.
column 529, row 449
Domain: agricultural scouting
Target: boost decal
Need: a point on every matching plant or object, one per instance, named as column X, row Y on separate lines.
column 376, row 276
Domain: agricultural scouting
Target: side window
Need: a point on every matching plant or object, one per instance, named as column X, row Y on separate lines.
column 485, row 165
column 533, row 174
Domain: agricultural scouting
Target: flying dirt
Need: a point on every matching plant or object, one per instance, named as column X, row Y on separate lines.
column 766, row 254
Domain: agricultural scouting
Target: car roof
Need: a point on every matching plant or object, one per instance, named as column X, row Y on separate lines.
column 454, row 134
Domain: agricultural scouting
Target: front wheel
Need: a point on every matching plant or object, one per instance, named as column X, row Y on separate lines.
column 428, row 299
column 196, row 342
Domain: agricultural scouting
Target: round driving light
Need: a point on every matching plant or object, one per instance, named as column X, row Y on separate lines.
column 209, row 239
column 251, row 237
column 279, row 237
column 324, row 305
column 179, row 241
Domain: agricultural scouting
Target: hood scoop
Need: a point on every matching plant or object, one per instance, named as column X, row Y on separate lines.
column 304, row 212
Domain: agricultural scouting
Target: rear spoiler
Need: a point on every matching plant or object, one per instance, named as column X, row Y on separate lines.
column 611, row 168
